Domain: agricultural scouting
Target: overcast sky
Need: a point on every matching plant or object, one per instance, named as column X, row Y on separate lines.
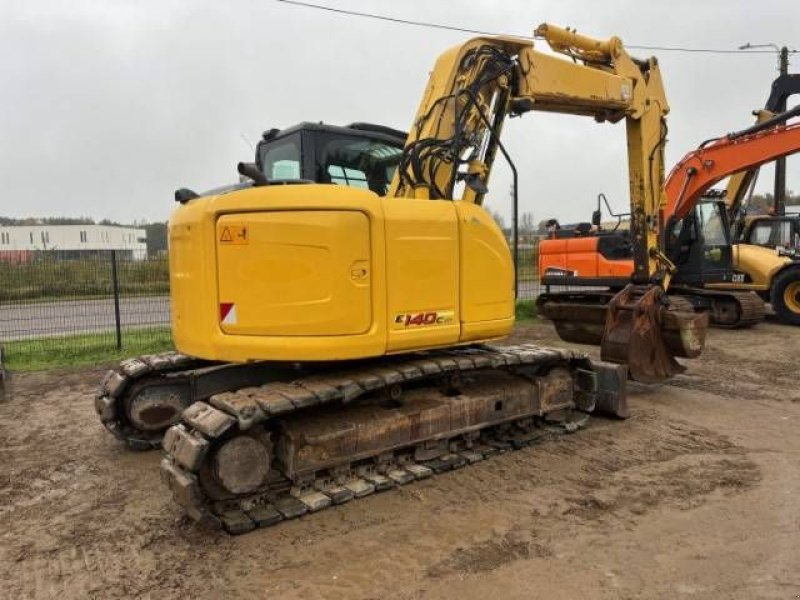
column 108, row 106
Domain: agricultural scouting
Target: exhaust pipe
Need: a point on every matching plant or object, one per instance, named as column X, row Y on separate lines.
column 251, row 171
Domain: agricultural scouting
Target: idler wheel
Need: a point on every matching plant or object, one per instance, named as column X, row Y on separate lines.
column 241, row 465
column 156, row 408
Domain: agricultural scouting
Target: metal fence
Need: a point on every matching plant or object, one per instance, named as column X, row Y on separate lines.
column 99, row 299
column 54, row 302
column 528, row 286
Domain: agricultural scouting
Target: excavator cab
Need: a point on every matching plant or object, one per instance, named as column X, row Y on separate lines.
column 700, row 246
column 359, row 155
column 772, row 231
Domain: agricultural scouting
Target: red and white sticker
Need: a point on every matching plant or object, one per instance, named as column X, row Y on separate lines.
column 227, row 313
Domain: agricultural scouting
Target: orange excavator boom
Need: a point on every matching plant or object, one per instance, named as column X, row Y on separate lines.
column 715, row 159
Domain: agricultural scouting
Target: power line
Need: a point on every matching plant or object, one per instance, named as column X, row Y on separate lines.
column 353, row 13
column 378, row 17
column 702, row 50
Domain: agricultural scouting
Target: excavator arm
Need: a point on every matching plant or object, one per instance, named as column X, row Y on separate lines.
column 475, row 86
column 456, row 134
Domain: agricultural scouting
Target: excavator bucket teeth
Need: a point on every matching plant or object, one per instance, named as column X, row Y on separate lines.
column 636, row 327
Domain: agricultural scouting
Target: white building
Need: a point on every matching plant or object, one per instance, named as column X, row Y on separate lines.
column 18, row 242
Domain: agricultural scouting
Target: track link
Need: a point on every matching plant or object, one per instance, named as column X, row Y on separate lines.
column 752, row 309
column 144, row 396
column 727, row 309
column 121, row 386
column 259, row 455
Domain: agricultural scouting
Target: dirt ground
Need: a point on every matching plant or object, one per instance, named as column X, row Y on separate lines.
column 696, row 496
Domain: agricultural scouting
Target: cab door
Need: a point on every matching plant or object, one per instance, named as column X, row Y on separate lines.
column 422, row 273
column 717, row 259
column 701, row 247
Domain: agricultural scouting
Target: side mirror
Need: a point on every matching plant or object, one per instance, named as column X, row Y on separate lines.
column 596, row 216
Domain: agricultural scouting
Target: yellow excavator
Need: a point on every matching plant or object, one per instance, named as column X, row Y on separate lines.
column 333, row 341
column 765, row 255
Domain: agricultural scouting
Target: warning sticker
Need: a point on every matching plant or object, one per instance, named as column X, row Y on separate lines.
column 227, row 313
column 234, row 234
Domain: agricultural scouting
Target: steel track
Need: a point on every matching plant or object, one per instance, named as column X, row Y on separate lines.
column 265, row 413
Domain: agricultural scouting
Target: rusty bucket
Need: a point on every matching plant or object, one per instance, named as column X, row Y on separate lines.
column 634, row 327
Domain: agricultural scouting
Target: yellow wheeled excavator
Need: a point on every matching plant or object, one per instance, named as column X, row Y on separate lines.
column 766, row 247
column 333, row 341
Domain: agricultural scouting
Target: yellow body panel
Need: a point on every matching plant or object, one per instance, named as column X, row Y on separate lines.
column 304, row 272
column 325, row 272
column 486, row 274
column 761, row 264
column 422, row 266
column 195, row 281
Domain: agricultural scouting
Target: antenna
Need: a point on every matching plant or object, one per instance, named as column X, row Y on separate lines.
column 246, row 141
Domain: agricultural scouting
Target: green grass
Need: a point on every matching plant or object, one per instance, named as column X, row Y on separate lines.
column 49, row 278
column 85, row 349
column 526, row 310
column 98, row 348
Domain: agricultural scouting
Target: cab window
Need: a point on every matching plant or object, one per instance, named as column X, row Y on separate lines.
column 711, row 224
column 344, row 176
column 281, row 159
column 773, row 233
column 357, row 162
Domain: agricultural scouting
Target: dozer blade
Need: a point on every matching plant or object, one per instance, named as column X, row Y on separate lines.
column 635, row 327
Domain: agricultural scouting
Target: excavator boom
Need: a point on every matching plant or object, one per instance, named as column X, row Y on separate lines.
column 716, row 159
column 474, row 86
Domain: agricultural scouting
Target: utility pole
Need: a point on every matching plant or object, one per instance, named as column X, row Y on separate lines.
column 780, row 164
column 779, row 192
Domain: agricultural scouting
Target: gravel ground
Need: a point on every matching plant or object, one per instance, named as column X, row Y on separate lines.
column 696, row 496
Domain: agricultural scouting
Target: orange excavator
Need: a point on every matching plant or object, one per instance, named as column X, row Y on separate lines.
column 710, row 272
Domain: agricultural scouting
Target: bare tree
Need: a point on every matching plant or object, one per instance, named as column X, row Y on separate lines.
column 527, row 224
